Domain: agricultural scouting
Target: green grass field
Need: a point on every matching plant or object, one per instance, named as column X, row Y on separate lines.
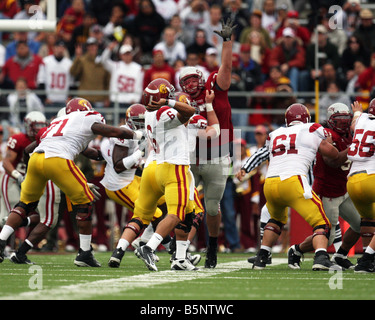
column 55, row 277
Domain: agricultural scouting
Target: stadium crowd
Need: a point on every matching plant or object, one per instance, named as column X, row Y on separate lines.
column 121, row 46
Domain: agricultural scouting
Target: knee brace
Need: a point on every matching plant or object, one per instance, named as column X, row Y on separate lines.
column 272, row 228
column 198, row 220
column 369, row 225
column 134, row 229
column 83, row 212
column 24, row 210
column 326, row 232
column 187, row 223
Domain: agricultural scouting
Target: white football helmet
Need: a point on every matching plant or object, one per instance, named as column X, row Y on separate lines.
column 61, row 113
column 339, row 117
column 34, row 121
column 187, row 72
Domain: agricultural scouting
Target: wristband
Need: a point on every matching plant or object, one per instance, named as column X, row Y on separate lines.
column 15, row 174
column 357, row 113
column 132, row 160
column 209, row 107
column 226, row 39
column 217, row 129
column 171, row 103
column 137, row 135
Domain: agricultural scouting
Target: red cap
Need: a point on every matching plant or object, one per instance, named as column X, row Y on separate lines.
column 245, row 47
column 293, row 14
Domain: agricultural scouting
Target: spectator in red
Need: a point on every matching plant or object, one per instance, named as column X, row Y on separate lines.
column 292, row 22
column 159, row 69
column 265, row 102
column 9, row 8
column 366, row 82
column 24, row 64
column 72, row 18
column 290, row 55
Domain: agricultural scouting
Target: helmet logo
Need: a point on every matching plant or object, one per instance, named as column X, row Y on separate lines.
column 163, row 88
column 83, row 103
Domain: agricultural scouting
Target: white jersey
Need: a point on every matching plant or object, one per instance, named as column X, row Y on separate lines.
column 112, row 180
column 68, row 136
column 56, row 77
column 362, row 150
column 168, row 136
column 196, row 123
column 149, row 118
column 293, row 149
column 126, row 83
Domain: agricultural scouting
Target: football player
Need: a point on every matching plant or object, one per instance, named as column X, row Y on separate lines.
column 330, row 185
column 291, row 151
column 168, row 134
column 120, row 181
column 52, row 159
column 15, row 167
column 361, row 178
column 211, row 162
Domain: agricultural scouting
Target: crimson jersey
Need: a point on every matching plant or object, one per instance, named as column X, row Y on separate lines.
column 331, row 182
column 17, row 143
column 219, row 146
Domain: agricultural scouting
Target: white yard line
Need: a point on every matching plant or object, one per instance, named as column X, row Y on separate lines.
column 117, row 286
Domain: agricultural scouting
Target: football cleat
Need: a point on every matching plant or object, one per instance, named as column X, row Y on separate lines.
column 342, row 261
column 194, row 259
column 294, row 258
column 322, row 262
column 183, row 265
column 115, row 259
column 86, row 259
column 18, row 258
column 211, row 258
column 146, row 254
column 261, row 260
column 253, row 258
column 365, row 264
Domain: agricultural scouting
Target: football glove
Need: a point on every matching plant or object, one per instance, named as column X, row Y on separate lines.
column 227, row 29
column 94, row 189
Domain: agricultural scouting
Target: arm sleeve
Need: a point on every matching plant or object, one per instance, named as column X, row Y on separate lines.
column 256, row 159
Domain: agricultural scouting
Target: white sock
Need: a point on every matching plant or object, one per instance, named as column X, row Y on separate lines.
column 147, row 234
column 266, row 248
column 6, row 232
column 320, row 249
column 123, row 244
column 155, row 241
column 181, row 248
column 85, row 242
column 370, row 250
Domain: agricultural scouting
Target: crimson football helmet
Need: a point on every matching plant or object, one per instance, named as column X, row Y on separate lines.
column 188, row 72
column 296, row 113
column 34, row 121
column 182, row 97
column 78, row 104
column 371, row 108
column 135, row 116
column 339, row 118
column 157, row 89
